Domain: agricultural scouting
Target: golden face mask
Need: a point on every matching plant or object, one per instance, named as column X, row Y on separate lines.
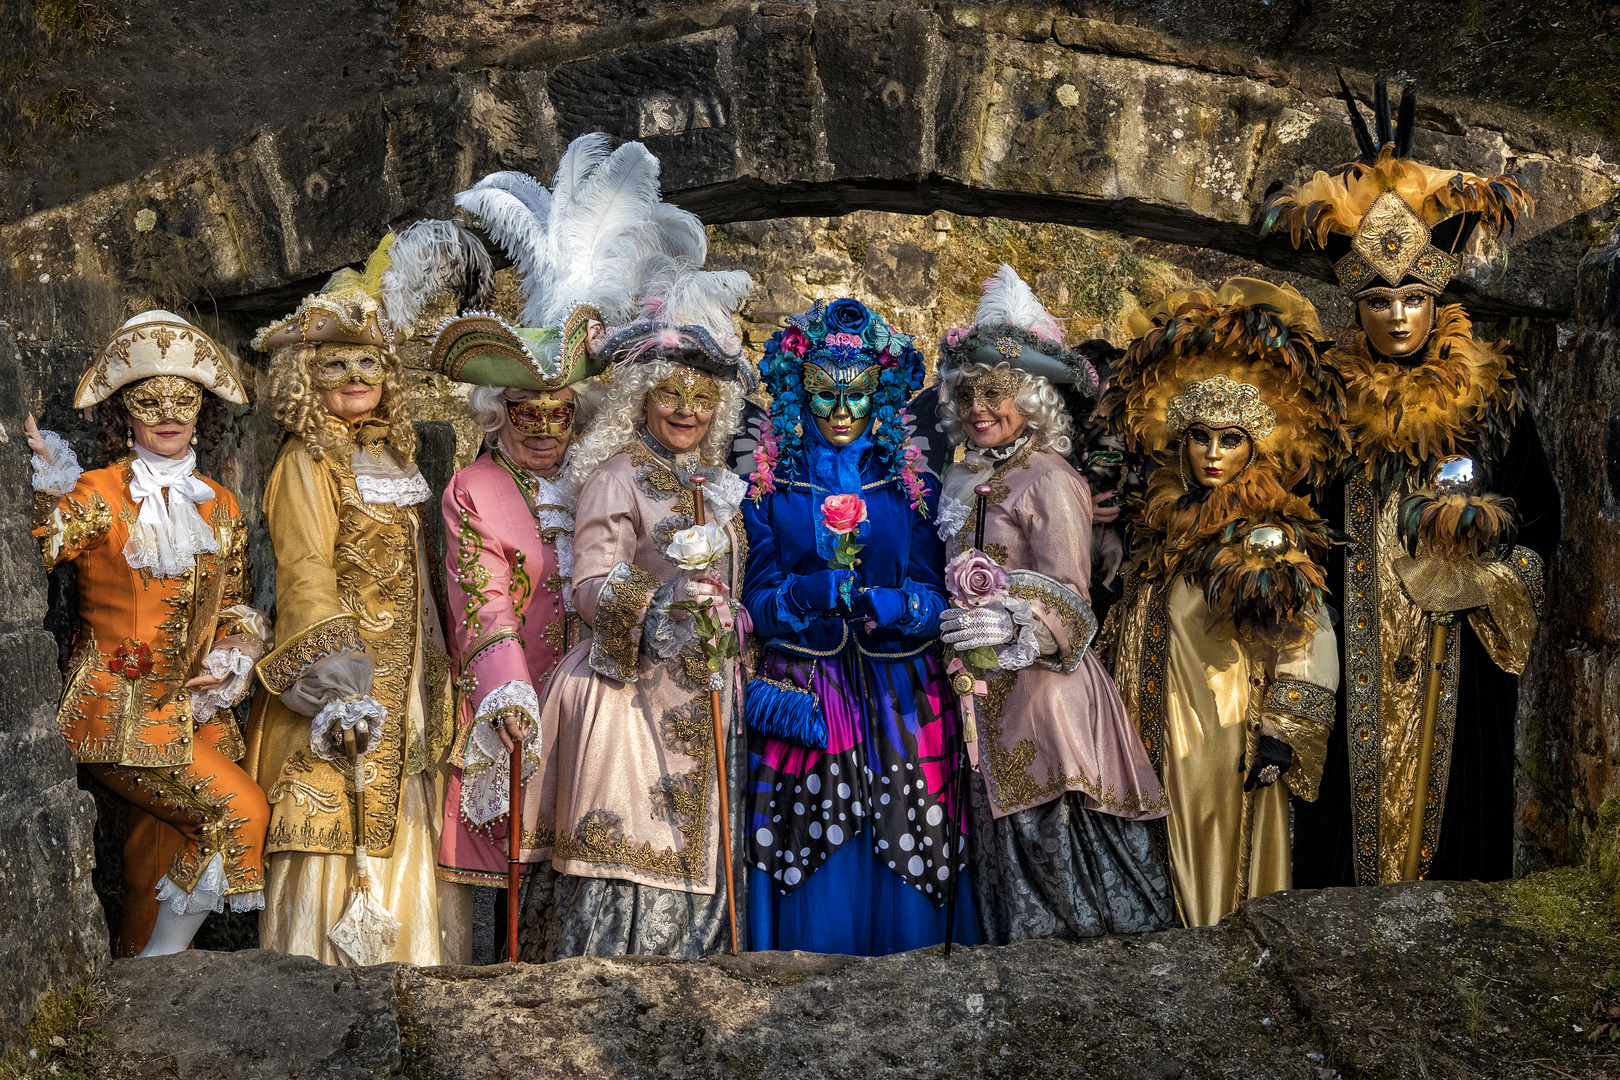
column 1214, row 456
column 341, row 366
column 163, row 397
column 687, row 390
column 989, row 390
column 541, row 417
column 1397, row 321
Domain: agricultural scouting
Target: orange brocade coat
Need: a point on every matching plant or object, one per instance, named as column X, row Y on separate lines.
column 140, row 636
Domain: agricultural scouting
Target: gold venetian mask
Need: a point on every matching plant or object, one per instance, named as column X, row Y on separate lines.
column 687, row 390
column 163, row 397
column 1214, row 456
column 989, row 389
column 1398, row 321
column 340, row 365
column 542, row 417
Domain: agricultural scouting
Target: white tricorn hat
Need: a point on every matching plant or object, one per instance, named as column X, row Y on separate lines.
column 159, row 342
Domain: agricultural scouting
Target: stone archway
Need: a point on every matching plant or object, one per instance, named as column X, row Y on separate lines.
column 758, row 110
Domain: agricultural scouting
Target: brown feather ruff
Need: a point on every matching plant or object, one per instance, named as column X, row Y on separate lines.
column 1245, row 342
column 1202, row 541
column 1469, row 525
column 1462, row 399
column 1336, row 202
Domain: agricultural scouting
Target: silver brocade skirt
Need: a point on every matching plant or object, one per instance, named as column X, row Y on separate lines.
column 1060, row 870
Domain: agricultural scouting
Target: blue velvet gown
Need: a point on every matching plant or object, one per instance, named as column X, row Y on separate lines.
column 845, row 845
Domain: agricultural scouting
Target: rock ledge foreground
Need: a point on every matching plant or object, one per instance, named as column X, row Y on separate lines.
column 1427, row 980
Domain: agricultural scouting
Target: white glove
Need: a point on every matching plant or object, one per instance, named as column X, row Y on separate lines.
column 971, row 628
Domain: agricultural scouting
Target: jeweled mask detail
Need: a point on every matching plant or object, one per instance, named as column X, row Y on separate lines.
column 343, row 364
column 163, row 397
column 687, row 390
column 989, row 390
column 541, row 417
column 827, row 393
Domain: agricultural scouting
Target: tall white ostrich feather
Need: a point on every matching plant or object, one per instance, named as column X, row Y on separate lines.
column 1007, row 299
column 515, row 210
column 430, row 258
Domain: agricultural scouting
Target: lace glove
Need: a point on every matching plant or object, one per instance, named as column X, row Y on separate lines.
column 485, row 778
column 971, row 628
column 1271, row 759
column 364, row 714
column 816, row 594
column 59, row 472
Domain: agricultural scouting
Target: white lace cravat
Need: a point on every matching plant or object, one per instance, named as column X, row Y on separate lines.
column 167, row 536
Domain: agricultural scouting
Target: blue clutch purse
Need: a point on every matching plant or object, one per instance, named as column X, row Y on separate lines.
column 780, row 710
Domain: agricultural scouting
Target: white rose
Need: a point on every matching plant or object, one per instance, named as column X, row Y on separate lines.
column 698, row 547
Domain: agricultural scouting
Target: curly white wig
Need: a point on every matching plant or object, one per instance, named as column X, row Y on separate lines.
column 623, row 413
column 1037, row 401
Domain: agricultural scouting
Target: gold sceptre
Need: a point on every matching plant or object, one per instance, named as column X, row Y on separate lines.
column 1452, row 476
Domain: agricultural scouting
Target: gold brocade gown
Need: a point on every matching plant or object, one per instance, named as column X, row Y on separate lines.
column 351, row 573
column 1194, row 687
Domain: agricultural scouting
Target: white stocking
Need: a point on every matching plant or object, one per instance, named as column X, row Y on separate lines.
column 173, row 933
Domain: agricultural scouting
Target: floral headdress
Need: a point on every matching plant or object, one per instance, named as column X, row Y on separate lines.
column 843, row 337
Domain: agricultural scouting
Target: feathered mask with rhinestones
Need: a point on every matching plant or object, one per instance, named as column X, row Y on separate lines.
column 1246, row 356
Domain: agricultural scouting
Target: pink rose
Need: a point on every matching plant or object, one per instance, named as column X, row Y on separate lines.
column 795, row 342
column 843, row 513
column 974, row 578
column 955, row 334
column 852, row 341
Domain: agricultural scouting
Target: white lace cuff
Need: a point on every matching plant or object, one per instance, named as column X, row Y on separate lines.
column 486, row 774
column 952, row 516
column 667, row 632
column 365, row 714
column 61, row 474
column 395, row 491
column 236, row 668
column 724, row 492
column 208, row 894
column 1024, row 649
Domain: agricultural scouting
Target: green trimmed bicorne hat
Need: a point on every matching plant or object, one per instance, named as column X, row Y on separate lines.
column 483, row 349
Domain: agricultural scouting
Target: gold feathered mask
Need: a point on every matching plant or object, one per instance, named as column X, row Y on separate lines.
column 1249, row 356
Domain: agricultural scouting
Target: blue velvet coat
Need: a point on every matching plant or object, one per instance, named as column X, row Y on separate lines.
column 900, row 550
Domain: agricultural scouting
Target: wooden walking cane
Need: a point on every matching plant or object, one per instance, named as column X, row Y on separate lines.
column 1431, row 708
column 719, row 756
column 514, row 844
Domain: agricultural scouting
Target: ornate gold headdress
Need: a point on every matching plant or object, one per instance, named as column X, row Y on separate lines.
column 1386, row 221
column 1220, row 402
column 1245, row 356
column 377, row 306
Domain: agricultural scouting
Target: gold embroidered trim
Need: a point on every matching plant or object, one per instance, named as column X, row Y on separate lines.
column 1071, row 608
column 620, row 608
column 73, row 527
column 1303, row 699
column 1530, row 569
column 288, row 661
column 1363, row 717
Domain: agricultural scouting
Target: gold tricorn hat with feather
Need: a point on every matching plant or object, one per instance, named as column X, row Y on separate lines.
column 1248, row 355
column 1386, row 222
column 379, row 304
